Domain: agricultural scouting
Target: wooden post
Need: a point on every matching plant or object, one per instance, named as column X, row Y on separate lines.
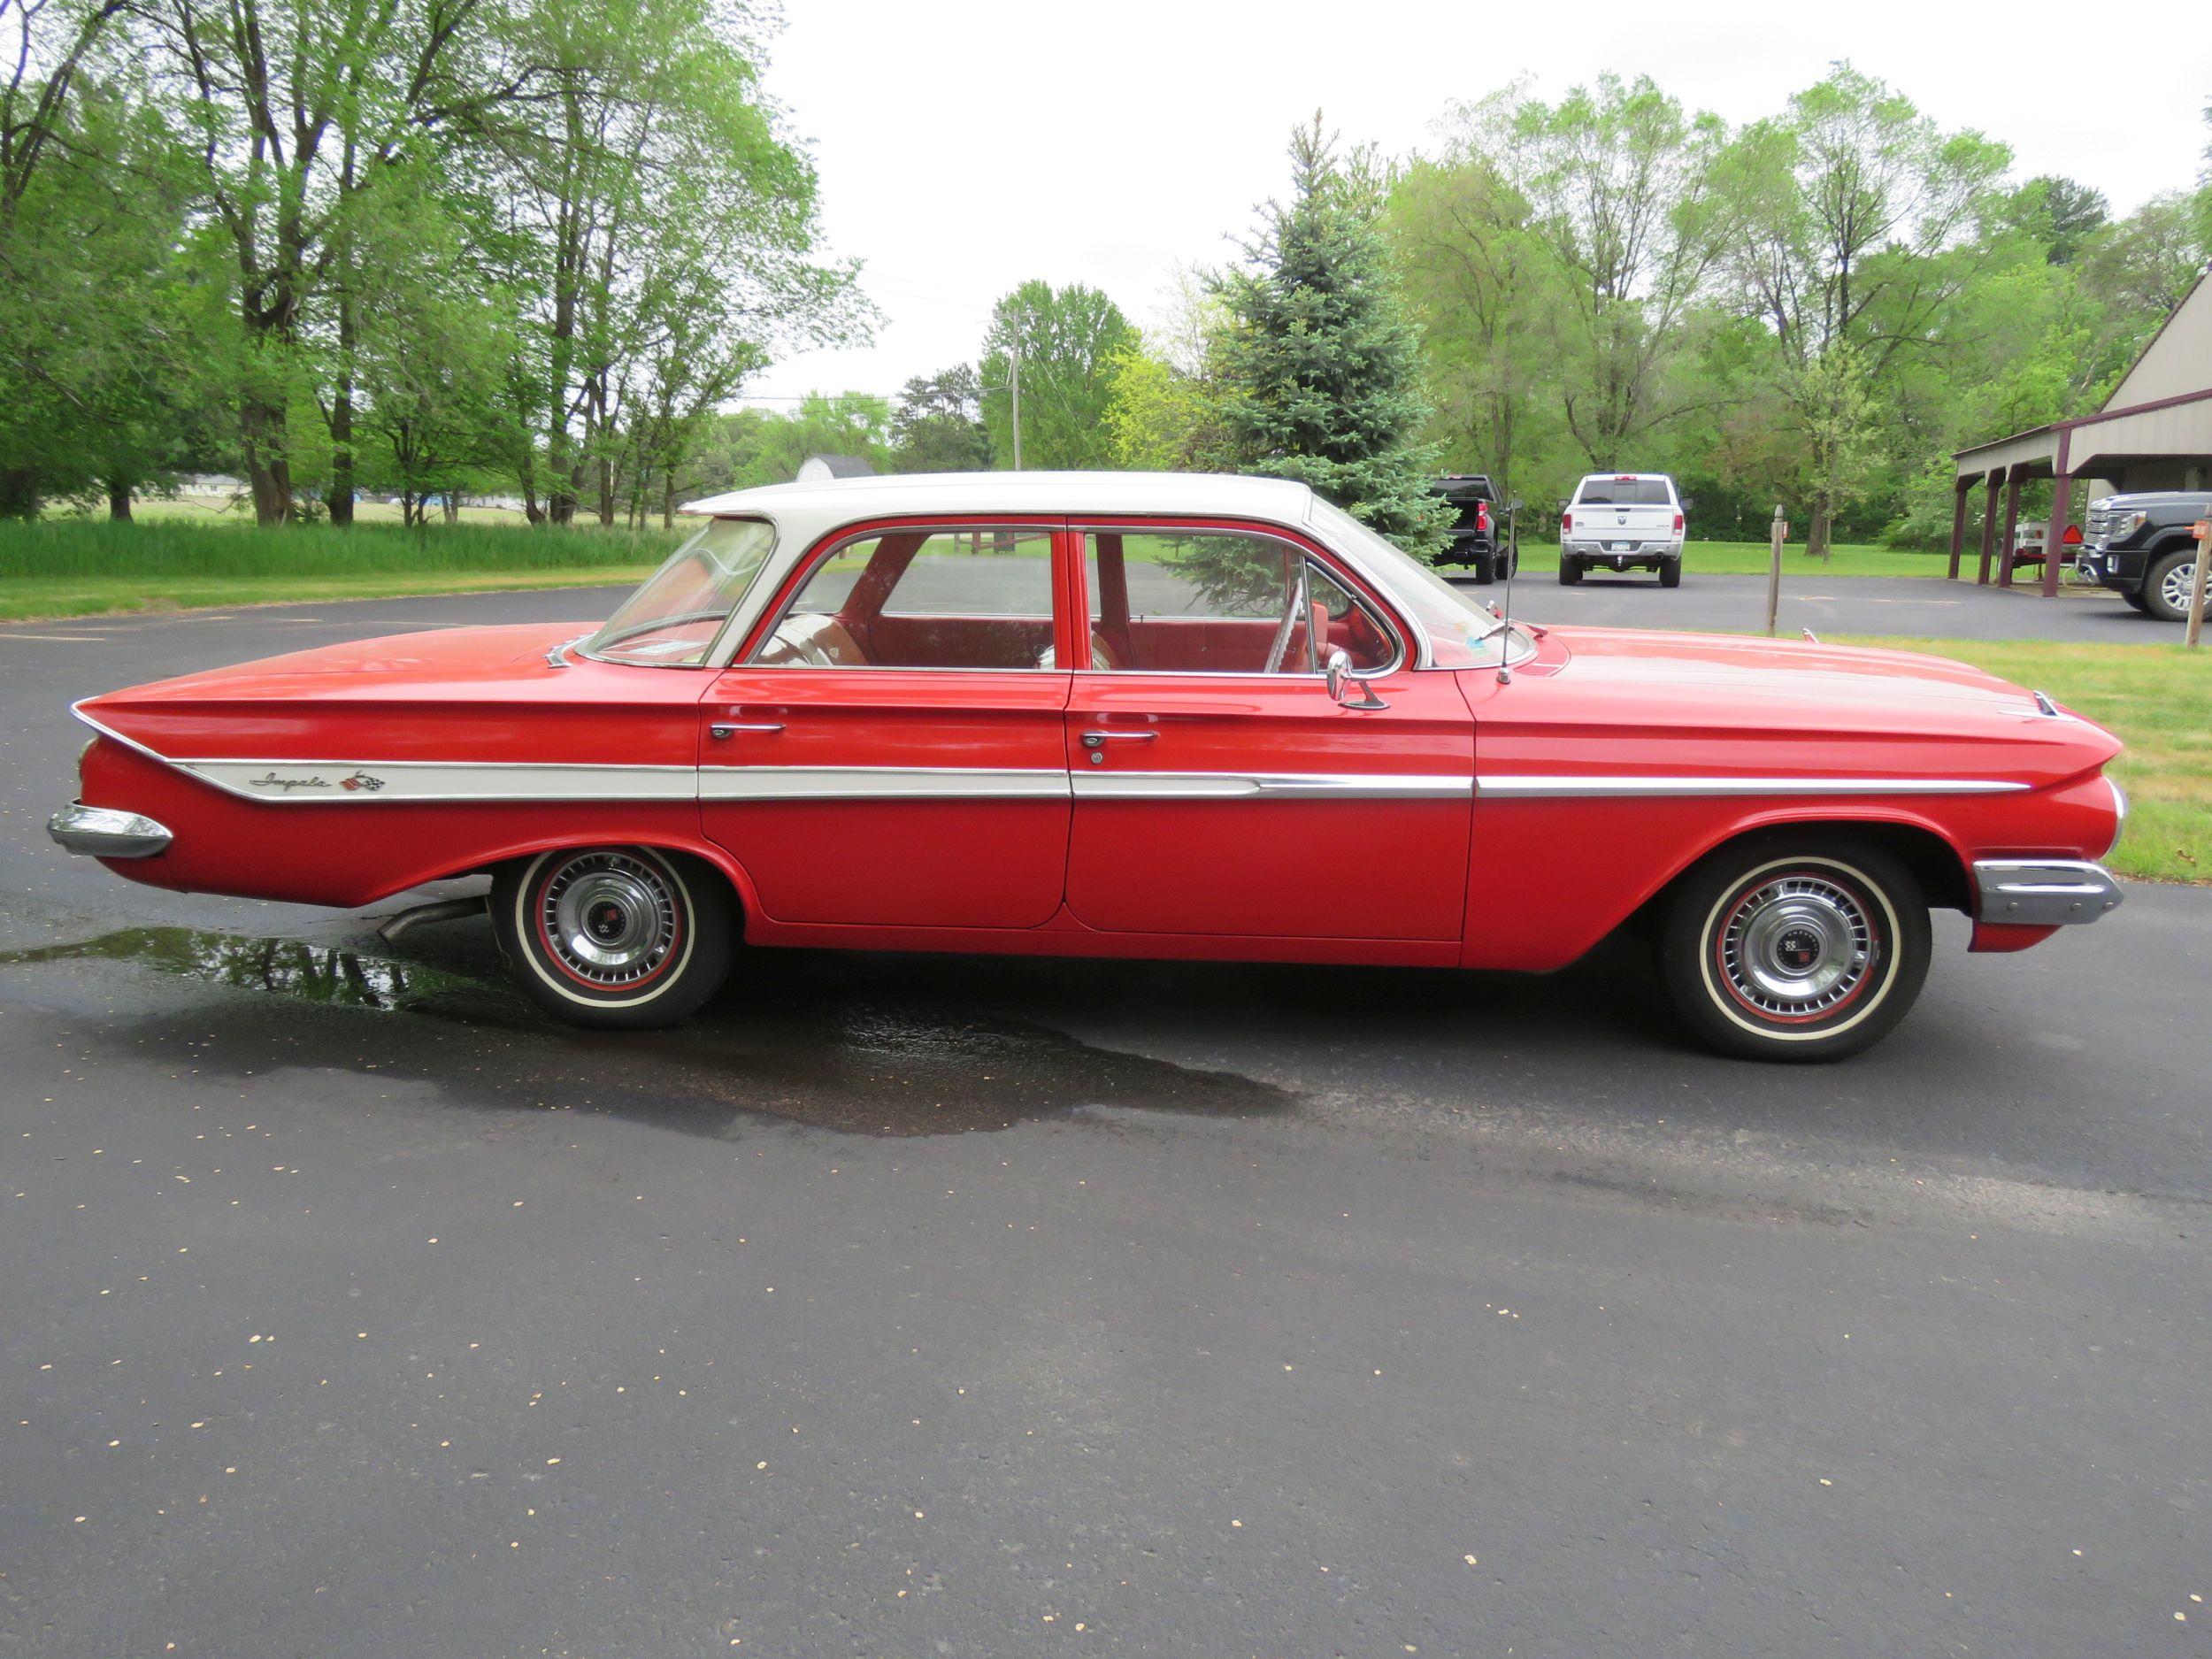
column 1779, row 533
column 2202, row 531
column 1989, row 532
column 2061, row 510
column 1959, row 487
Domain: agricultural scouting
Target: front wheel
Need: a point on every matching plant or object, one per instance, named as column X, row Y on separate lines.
column 2166, row 587
column 617, row 938
column 1794, row 949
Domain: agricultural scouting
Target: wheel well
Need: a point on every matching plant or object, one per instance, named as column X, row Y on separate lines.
column 1934, row 864
column 719, row 869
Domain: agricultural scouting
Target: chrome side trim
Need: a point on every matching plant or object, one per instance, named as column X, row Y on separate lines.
column 106, row 832
column 877, row 783
column 2043, row 892
column 346, row 780
column 1566, row 785
column 1226, row 785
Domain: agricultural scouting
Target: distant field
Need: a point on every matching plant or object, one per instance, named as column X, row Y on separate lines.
column 2157, row 699
column 229, row 510
column 69, row 567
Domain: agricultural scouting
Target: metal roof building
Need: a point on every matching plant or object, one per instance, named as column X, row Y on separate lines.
column 2152, row 431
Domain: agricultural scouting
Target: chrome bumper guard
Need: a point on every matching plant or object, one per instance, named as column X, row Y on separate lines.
column 106, row 832
column 2043, row 892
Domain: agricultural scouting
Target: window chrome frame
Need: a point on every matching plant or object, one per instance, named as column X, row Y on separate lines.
column 1306, row 548
column 810, row 566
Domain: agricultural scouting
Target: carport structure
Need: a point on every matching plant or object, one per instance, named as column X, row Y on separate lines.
column 2154, row 432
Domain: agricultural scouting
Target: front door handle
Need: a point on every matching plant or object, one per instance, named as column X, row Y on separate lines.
column 721, row 729
column 1096, row 740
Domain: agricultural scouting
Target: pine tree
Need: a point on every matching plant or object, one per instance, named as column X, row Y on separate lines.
column 1324, row 366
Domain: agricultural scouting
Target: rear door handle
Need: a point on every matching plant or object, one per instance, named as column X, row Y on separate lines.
column 1096, row 740
column 721, row 729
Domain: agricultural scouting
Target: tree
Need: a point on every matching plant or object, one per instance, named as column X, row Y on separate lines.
column 1322, row 364
column 1066, row 339
column 295, row 107
column 1475, row 278
column 1629, row 198
column 1860, row 233
column 937, row 423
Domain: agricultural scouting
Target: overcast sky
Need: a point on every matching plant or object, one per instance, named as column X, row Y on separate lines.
column 965, row 145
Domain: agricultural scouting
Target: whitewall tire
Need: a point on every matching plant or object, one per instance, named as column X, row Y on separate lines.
column 618, row 938
column 1789, row 948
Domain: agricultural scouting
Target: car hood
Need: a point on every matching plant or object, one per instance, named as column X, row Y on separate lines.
column 1804, row 692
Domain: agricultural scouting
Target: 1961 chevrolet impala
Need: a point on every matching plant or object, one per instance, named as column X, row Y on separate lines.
column 1130, row 715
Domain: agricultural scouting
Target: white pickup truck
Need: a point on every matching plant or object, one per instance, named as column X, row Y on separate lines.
column 1620, row 521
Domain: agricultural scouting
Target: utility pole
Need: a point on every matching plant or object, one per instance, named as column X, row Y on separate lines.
column 1015, row 361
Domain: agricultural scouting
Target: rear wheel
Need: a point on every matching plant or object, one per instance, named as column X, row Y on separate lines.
column 2166, row 586
column 1671, row 572
column 1486, row 569
column 617, row 938
column 1785, row 949
column 1570, row 570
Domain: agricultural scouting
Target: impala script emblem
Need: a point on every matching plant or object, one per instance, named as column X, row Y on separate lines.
column 359, row 780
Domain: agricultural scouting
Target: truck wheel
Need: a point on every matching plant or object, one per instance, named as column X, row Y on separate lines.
column 2136, row 600
column 2166, row 586
column 1671, row 572
column 1486, row 569
column 615, row 938
column 1570, row 570
column 1794, row 946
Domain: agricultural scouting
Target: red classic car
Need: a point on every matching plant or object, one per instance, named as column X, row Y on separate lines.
column 1130, row 715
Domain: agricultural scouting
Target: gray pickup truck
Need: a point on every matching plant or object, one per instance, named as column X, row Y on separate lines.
column 2139, row 547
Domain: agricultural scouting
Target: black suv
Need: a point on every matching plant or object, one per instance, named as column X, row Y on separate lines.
column 2139, row 547
column 1476, row 532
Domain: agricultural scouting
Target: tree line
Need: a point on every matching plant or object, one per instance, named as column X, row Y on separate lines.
column 438, row 248
column 412, row 246
column 1815, row 308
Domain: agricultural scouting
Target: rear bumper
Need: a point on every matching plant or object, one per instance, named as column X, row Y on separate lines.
column 2042, row 891
column 106, row 832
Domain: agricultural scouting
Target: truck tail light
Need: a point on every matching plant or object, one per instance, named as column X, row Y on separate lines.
column 1482, row 517
column 1678, row 524
column 1566, row 522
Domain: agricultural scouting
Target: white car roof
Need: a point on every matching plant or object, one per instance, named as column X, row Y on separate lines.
column 804, row 512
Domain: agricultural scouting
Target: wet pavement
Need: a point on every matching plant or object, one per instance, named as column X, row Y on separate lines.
column 925, row 1305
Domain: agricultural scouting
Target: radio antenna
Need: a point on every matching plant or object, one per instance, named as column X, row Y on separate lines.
column 1505, row 617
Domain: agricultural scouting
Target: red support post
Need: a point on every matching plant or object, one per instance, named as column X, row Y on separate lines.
column 2061, row 510
column 1959, row 487
column 2013, row 481
column 1989, row 532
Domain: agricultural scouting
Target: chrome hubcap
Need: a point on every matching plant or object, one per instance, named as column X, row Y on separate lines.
column 1797, row 947
column 2179, row 586
column 610, row 918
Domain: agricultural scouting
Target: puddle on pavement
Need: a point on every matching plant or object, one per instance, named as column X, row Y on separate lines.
column 795, row 1036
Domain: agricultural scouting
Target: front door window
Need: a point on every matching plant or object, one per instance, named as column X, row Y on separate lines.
column 1219, row 602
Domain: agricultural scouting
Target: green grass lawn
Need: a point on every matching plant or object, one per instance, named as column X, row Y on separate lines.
column 2157, row 699
column 1747, row 558
column 74, row 567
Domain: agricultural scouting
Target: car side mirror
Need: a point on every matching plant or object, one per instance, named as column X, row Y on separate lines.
column 1563, row 505
column 1689, row 503
column 1342, row 682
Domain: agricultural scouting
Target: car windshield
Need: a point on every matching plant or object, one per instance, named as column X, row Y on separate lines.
column 1624, row 492
column 1459, row 631
column 672, row 620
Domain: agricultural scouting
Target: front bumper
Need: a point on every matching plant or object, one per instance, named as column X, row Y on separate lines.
column 2042, row 891
column 106, row 832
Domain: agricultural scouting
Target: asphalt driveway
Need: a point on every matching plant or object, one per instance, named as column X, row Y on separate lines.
column 930, row 1306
